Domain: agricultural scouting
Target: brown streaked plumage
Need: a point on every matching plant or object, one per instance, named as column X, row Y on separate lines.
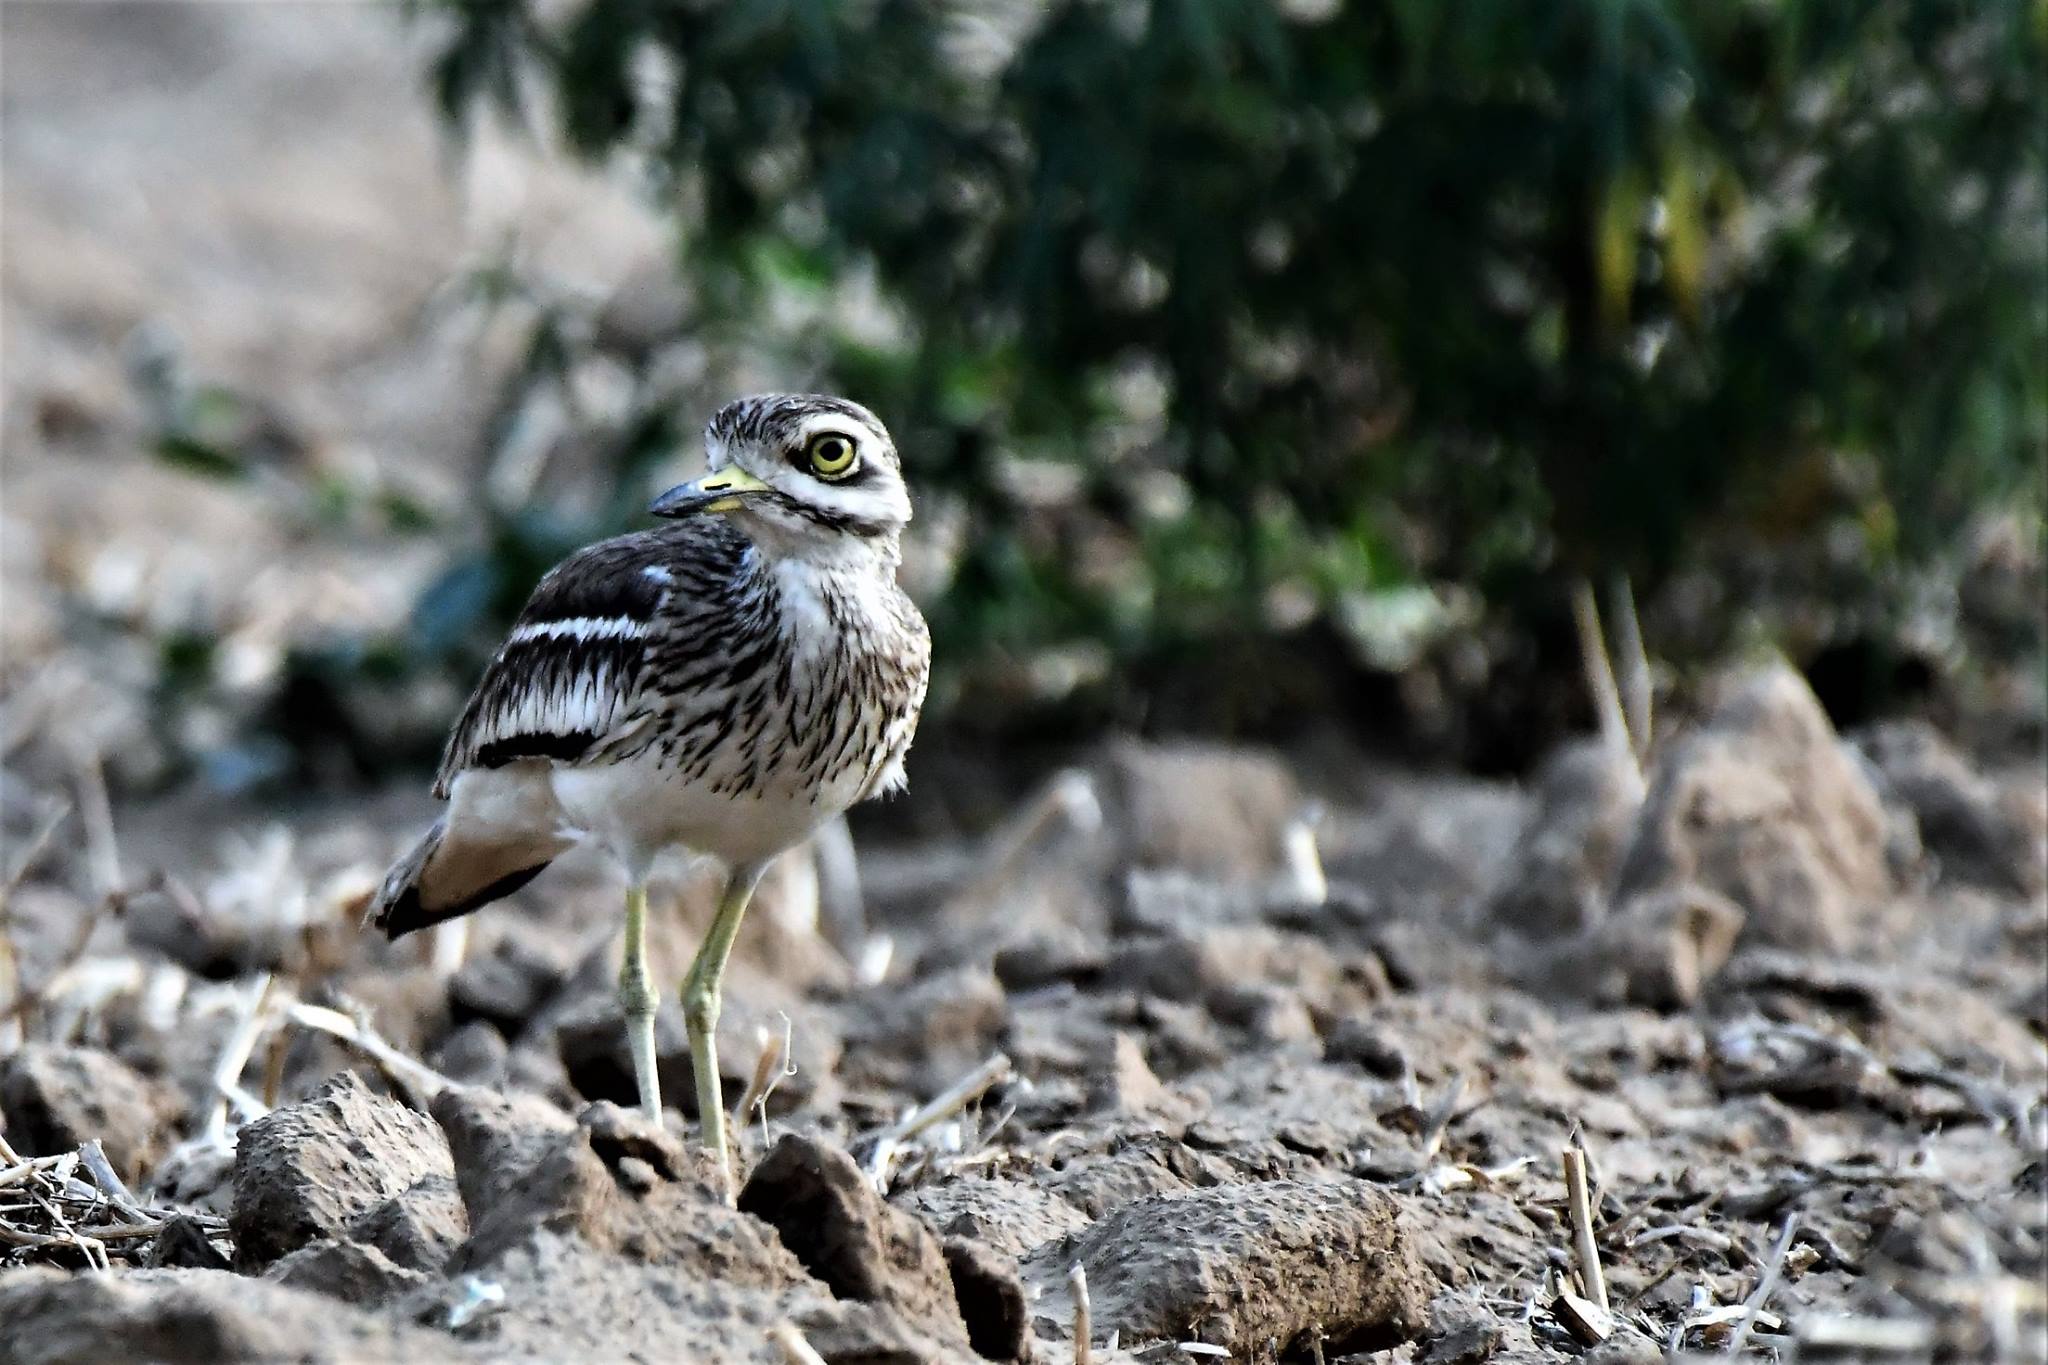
column 722, row 684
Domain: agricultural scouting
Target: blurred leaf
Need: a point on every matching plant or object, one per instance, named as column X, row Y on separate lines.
column 190, row 452
column 1685, row 231
column 1614, row 246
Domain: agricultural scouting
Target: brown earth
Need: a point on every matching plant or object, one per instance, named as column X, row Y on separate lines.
column 1256, row 1118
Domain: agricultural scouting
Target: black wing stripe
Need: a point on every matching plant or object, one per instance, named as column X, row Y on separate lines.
column 572, row 664
column 572, row 671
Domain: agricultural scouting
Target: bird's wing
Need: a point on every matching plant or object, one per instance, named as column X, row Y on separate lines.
column 566, row 678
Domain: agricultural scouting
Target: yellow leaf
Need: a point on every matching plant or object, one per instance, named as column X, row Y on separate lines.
column 1614, row 246
column 1685, row 232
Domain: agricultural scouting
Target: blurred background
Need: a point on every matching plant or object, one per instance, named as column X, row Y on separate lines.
column 1272, row 371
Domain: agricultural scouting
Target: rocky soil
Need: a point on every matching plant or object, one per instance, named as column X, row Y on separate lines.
column 1274, row 1085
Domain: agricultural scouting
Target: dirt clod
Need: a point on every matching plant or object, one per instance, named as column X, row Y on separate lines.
column 590, row 1187
column 1011, row 1216
column 345, row 1270
column 1202, row 807
column 183, row 1244
column 495, row 1140
column 861, row 1249
column 1763, row 805
column 419, row 1227
column 1659, row 949
column 1982, row 832
column 54, row 1098
column 991, row 1298
column 195, row 1315
column 1254, row 1269
column 1557, row 880
column 310, row 1169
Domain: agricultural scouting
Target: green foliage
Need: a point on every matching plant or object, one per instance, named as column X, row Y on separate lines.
column 1438, row 288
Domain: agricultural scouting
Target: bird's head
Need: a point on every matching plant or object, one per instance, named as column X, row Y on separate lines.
column 804, row 475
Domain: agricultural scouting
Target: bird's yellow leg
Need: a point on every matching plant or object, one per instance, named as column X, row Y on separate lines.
column 638, row 1002
column 700, row 1009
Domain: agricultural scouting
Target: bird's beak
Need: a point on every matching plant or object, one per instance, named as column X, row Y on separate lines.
column 720, row 492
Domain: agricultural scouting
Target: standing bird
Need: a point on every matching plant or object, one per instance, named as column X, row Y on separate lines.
column 722, row 685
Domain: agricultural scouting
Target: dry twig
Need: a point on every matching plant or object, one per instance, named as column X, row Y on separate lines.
column 227, row 1069
column 1440, row 1116
column 1634, row 664
column 1583, row 1245
column 795, row 1350
column 401, row 1068
column 1077, row 1282
column 951, row 1101
column 1599, row 671
column 103, row 851
column 1766, row 1284
column 772, row 1063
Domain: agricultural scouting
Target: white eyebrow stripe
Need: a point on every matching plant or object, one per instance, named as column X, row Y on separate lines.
column 580, row 628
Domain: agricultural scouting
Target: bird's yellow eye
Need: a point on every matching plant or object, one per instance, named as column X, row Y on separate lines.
column 832, row 456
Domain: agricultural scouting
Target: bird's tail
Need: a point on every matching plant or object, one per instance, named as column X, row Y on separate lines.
column 441, row 879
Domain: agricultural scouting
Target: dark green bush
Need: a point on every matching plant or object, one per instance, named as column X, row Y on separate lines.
column 1315, row 301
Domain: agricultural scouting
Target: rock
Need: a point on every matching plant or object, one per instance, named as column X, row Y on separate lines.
column 825, row 1212
column 1367, row 1046
column 197, row 1177
column 618, row 1135
column 1255, row 1269
column 630, row 1196
column 308, row 1170
column 419, row 1227
column 495, row 1141
column 474, row 1053
column 182, row 1243
column 944, row 1024
column 508, row 985
column 990, row 1295
column 195, row 1315
column 1048, row 957
column 1233, row 973
column 348, row 1271
column 1983, row 833
column 1129, row 1087
column 1010, row 1216
column 1667, row 945
column 1204, row 808
column 54, row 1098
column 1763, row 805
column 1659, row 949
column 1173, row 900
column 872, row 1334
column 1556, row 881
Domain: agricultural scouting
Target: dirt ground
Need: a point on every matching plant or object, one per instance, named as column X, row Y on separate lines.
column 1260, row 1056
column 1787, row 1001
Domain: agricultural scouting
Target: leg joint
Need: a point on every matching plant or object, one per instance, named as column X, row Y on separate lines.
column 700, row 1005
column 636, row 995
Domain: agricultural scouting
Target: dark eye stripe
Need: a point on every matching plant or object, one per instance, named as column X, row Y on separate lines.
column 829, row 519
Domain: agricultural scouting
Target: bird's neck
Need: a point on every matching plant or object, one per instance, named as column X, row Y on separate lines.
column 877, row 556
column 831, row 606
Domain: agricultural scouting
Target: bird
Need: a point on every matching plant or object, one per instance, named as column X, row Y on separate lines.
column 722, row 684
